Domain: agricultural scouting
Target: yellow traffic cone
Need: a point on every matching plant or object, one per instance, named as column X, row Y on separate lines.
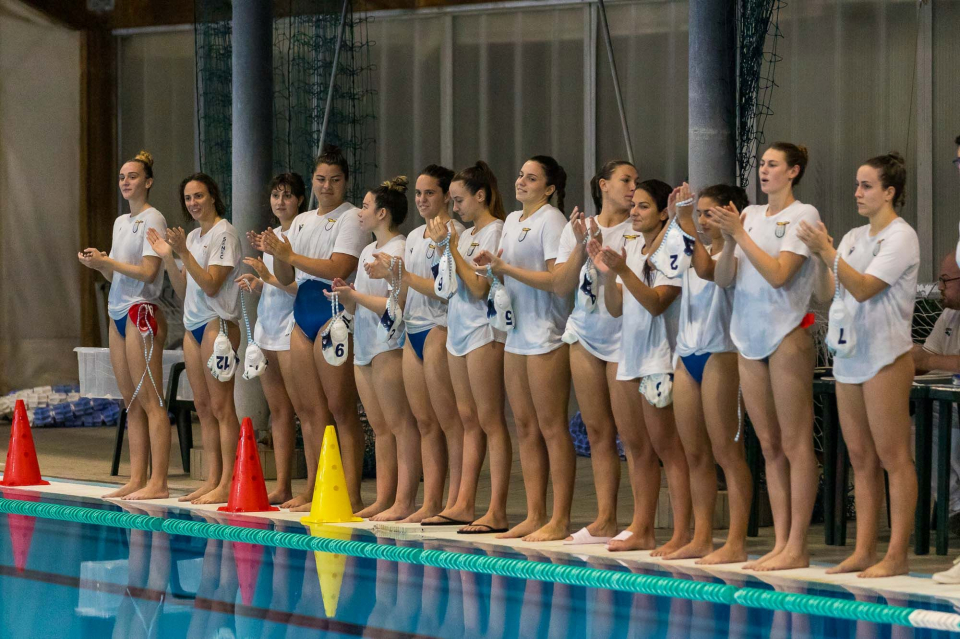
column 330, row 569
column 331, row 504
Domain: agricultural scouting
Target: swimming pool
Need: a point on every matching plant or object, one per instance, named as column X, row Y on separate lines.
column 66, row 579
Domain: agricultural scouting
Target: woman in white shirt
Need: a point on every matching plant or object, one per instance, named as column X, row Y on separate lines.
column 211, row 257
column 877, row 266
column 378, row 355
column 594, row 334
column 646, row 299
column 475, row 351
column 536, row 364
column 705, row 385
column 425, row 374
column 137, row 329
column 320, row 246
column 274, row 327
column 775, row 281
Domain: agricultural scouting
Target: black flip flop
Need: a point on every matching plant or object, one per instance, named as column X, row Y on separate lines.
column 489, row 530
column 448, row 521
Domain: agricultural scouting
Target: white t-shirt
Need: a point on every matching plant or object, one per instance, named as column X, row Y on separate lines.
column 420, row 311
column 541, row 315
column 705, row 310
column 944, row 339
column 647, row 342
column 219, row 247
column 883, row 322
column 274, row 313
column 467, row 324
column 763, row 315
column 599, row 332
column 318, row 237
column 130, row 246
column 366, row 344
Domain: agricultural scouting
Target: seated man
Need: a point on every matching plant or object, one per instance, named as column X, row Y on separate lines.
column 940, row 353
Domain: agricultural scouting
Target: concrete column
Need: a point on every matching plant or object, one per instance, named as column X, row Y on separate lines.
column 712, row 93
column 252, row 120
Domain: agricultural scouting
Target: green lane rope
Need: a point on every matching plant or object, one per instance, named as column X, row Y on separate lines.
column 503, row 566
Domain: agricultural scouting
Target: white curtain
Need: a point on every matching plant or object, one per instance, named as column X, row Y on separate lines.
column 39, row 199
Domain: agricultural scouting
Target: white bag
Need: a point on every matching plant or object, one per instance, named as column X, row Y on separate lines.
column 445, row 273
column 658, row 389
column 223, row 361
column 841, row 338
column 254, row 361
column 675, row 252
column 335, row 343
column 391, row 326
column 499, row 305
column 589, row 290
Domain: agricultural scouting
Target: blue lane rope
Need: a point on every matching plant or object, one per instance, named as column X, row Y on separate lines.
column 573, row 575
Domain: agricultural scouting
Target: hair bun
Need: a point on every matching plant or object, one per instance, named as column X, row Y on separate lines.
column 804, row 152
column 896, row 157
column 145, row 157
column 398, row 184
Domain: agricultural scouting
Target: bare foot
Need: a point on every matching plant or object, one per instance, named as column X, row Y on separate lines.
column 149, row 492
column 888, row 567
column 754, row 565
column 551, row 532
column 372, row 510
column 299, row 500
column 199, row 492
column 129, row 487
column 726, row 554
column 524, row 528
column 677, row 542
column 693, row 550
column 394, row 513
column 785, row 561
column 453, row 513
column 424, row 513
column 645, row 541
column 480, row 525
column 600, row 529
column 279, row 496
column 218, row 495
column 854, row 563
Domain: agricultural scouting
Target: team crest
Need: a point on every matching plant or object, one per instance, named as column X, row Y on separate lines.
column 876, row 249
column 628, row 238
column 781, row 229
column 329, row 225
column 431, row 250
column 473, row 248
column 523, row 233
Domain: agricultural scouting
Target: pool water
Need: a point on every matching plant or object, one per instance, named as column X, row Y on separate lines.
column 67, row 580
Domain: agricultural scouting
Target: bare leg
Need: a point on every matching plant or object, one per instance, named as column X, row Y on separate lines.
column 385, row 444
column 340, row 391
column 444, row 403
column 156, row 415
column 433, row 448
column 533, row 450
column 593, row 396
column 666, row 443
column 209, row 428
column 642, row 463
column 136, row 418
column 550, row 373
column 281, row 422
column 719, row 390
column 758, row 399
column 388, row 385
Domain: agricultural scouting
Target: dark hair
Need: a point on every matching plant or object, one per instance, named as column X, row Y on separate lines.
column 144, row 158
column 332, row 155
column 441, row 174
column 957, row 141
column 556, row 176
column 660, row 192
column 796, row 155
column 212, row 188
column 294, row 182
column 605, row 173
column 480, row 177
column 392, row 195
column 723, row 194
column 893, row 172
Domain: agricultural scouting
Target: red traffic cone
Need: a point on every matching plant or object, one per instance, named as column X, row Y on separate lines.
column 248, row 492
column 247, row 558
column 21, row 532
column 22, row 468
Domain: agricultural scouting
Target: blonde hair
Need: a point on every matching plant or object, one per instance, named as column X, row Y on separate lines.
column 144, row 158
